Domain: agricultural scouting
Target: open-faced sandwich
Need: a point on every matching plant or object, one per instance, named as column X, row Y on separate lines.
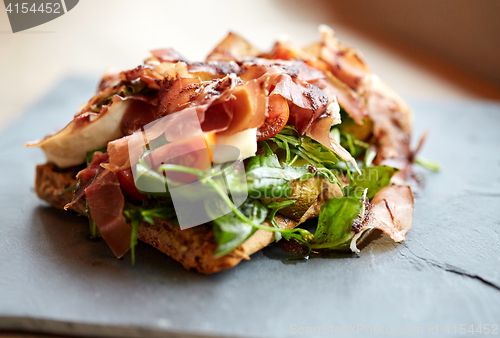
column 212, row 161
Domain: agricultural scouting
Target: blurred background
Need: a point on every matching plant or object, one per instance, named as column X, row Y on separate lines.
column 425, row 49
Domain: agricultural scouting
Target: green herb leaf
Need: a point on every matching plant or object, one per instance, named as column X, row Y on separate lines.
column 230, row 231
column 94, row 232
column 335, row 223
column 373, row 178
column 136, row 223
column 275, row 207
column 136, row 214
column 312, row 152
column 70, row 188
column 428, row 164
column 266, row 177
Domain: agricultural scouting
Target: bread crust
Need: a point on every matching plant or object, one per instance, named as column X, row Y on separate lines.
column 50, row 182
column 193, row 248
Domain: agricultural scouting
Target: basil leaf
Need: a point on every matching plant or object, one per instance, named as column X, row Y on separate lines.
column 230, row 232
column 335, row 223
column 267, row 178
column 373, row 178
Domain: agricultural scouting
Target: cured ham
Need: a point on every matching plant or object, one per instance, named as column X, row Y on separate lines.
column 171, row 111
column 105, row 200
column 392, row 124
column 214, row 68
column 147, row 74
column 87, row 176
column 391, row 211
column 167, row 55
column 233, row 47
column 350, row 100
column 344, row 62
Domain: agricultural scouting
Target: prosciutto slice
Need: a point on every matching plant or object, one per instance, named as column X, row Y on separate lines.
column 176, row 94
column 215, row 68
column 348, row 98
column 232, row 47
column 392, row 122
column 352, row 103
column 145, row 73
column 303, row 95
column 108, row 80
column 297, row 69
column 106, row 201
column 87, row 176
column 247, row 110
column 118, row 151
column 168, row 55
column 344, row 62
column 223, row 105
column 391, row 211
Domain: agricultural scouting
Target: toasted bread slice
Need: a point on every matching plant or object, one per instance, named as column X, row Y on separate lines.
column 193, row 248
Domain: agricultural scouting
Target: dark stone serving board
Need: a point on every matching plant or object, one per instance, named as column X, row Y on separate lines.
column 54, row 280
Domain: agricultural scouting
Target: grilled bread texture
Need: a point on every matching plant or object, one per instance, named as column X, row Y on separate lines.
column 194, row 248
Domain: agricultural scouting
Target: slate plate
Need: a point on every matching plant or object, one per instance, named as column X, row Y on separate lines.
column 52, row 279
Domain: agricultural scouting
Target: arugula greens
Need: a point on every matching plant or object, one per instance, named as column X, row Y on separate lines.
column 345, row 134
column 250, row 213
column 314, row 153
column 372, row 178
column 348, row 141
column 275, row 207
column 269, row 175
column 268, row 178
column 94, row 232
column 230, row 231
column 335, row 223
column 136, row 214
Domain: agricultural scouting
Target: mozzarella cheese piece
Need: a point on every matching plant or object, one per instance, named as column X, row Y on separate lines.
column 245, row 141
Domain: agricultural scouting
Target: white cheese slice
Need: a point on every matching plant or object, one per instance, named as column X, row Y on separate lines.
column 245, row 141
column 69, row 146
